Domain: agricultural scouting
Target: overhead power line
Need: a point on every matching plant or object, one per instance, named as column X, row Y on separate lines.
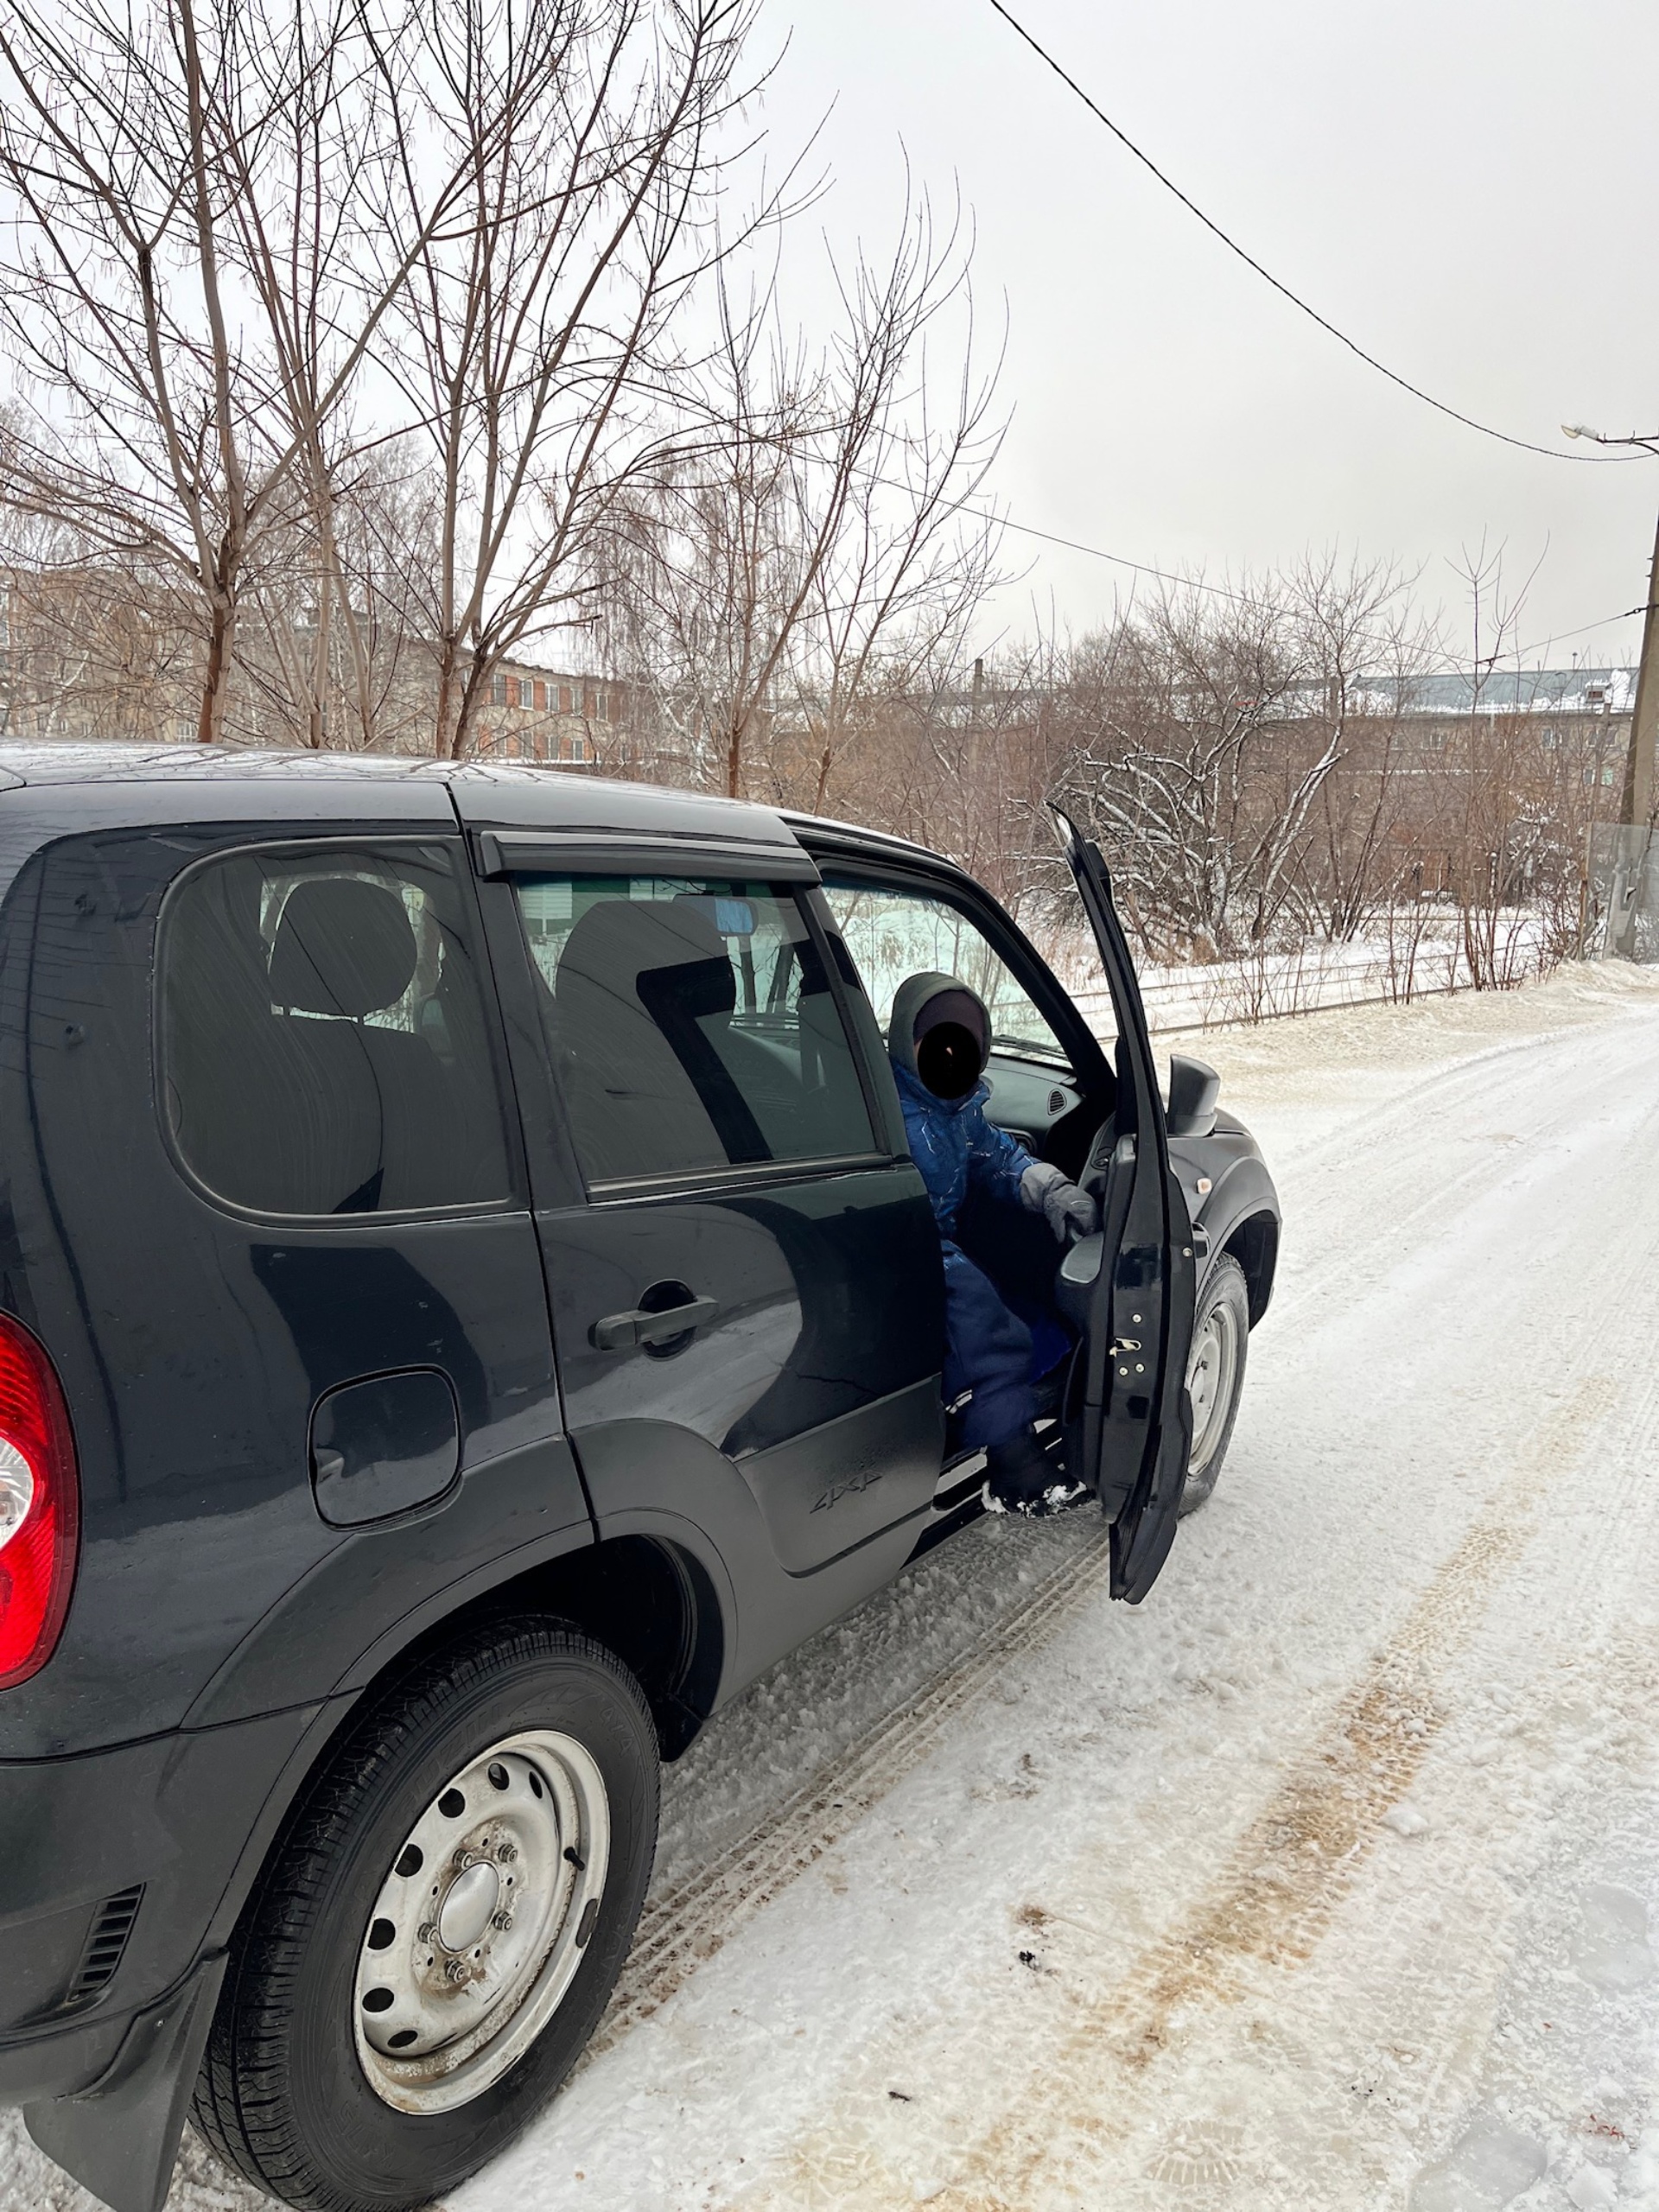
column 993, row 520
column 1440, row 406
column 1542, row 644
column 1095, row 552
column 1223, row 591
column 1200, row 583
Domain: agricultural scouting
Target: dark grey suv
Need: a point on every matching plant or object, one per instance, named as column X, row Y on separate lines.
column 467, row 1307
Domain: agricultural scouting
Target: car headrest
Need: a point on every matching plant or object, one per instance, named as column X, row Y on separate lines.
column 343, row 947
column 649, row 954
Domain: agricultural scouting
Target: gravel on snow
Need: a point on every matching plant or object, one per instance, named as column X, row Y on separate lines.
column 1328, row 1878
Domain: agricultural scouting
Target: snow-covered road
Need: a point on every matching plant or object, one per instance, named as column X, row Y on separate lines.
column 1325, row 1879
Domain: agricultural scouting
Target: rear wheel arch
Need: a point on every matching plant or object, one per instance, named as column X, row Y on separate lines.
column 654, row 1605
column 646, row 1599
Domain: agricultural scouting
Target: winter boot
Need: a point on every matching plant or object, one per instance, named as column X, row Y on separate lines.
column 1020, row 1477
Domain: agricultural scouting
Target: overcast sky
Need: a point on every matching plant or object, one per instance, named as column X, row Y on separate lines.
column 1470, row 188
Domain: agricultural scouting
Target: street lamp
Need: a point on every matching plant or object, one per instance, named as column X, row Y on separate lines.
column 1583, row 430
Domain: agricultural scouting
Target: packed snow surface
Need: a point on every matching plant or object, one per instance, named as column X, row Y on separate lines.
column 1328, row 1878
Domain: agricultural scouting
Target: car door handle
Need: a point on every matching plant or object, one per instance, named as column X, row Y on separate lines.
column 621, row 1332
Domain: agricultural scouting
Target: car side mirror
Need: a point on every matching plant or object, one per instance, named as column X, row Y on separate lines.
column 1194, row 1087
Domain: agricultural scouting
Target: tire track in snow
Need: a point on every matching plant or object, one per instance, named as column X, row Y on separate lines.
column 687, row 1924
column 1295, row 1862
column 1267, row 1909
column 1411, row 1129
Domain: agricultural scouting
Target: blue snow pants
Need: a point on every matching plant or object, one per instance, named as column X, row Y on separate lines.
column 989, row 1351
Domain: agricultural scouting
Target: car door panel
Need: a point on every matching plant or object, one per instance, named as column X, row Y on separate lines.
column 816, row 1340
column 1127, row 1410
column 841, row 1483
column 812, row 1361
column 660, row 1479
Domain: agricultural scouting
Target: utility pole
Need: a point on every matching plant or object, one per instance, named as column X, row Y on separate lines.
column 1637, row 811
column 1636, row 815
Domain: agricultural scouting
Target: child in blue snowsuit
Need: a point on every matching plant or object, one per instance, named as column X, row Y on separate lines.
column 938, row 1039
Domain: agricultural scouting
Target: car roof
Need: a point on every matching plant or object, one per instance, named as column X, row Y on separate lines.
column 825, row 828
column 500, row 790
column 34, row 763
column 484, row 789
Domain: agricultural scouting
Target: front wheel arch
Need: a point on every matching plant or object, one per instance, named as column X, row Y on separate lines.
column 1255, row 1245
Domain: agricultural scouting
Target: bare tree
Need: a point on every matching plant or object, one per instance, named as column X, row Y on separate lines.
column 815, row 551
column 184, row 293
column 114, row 299
column 85, row 655
column 332, row 652
column 132, row 148
column 705, row 586
column 1364, row 650
column 961, row 756
column 905, row 565
column 1488, row 811
column 534, row 347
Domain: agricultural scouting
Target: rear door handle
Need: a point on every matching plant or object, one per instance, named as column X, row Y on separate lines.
column 621, row 1332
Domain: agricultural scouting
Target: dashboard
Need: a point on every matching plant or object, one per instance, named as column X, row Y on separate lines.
column 1028, row 1096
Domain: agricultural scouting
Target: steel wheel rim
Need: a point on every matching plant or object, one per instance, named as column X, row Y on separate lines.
column 481, row 1922
column 1211, row 1368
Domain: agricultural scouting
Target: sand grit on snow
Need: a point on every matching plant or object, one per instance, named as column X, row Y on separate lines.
column 1325, row 1879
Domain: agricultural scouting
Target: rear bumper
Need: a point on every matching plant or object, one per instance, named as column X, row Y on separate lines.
column 183, row 1819
column 59, row 2061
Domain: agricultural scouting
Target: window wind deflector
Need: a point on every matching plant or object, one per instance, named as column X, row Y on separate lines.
column 528, row 852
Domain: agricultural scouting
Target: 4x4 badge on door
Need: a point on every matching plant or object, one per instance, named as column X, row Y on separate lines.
column 864, row 1480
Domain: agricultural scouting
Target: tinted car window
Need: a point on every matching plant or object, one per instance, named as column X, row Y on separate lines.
column 692, row 1025
column 324, row 1033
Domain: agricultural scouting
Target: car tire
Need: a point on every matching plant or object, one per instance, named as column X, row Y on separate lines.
column 437, row 1932
column 1215, row 1375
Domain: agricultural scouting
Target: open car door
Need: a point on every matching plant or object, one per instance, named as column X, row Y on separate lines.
column 1128, row 1414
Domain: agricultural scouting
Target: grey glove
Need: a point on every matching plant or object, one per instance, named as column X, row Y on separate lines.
column 1067, row 1209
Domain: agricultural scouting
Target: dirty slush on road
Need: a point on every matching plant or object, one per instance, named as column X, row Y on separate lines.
column 1323, row 1880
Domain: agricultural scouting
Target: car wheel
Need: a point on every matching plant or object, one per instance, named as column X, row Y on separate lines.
column 433, row 1941
column 1215, row 1375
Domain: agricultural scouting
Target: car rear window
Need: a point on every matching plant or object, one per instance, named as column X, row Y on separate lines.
column 692, row 1025
column 325, row 1041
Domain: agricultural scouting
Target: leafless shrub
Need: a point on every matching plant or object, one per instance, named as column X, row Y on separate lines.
column 1209, row 728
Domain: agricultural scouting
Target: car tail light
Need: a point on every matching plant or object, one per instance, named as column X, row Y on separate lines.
column 40, row 1505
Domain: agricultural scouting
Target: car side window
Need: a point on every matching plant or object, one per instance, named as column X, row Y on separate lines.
column 325, row 1040
column 893, row 931
column 692, row 1026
